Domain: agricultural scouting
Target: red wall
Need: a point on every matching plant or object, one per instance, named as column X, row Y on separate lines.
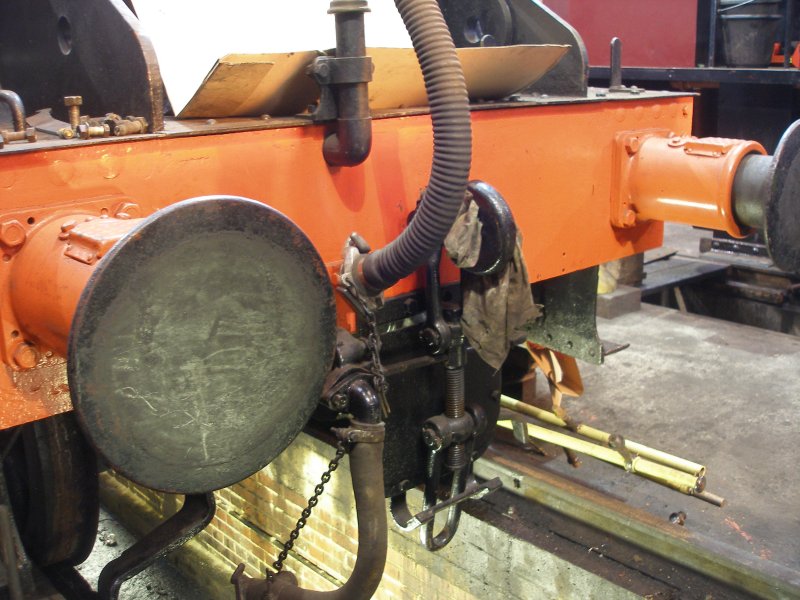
column 654, row 33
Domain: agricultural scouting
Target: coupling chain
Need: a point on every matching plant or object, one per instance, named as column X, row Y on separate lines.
column 376, row 367
column 373, row 339
column 341, row 450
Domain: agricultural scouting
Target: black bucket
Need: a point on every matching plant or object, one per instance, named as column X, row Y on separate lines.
column 750, row 29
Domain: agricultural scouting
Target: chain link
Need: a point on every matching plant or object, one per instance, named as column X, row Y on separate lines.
column 341, row 450
column 373, row 339
column 376, row 368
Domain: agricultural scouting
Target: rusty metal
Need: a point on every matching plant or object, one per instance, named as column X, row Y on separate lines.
column 73, row 104
column 341, row 450
column 86, row 131
column 128, row 126
column 51, row 477
column 27, row 135
column 97, row 49
column 366, row 459
column 196, row 512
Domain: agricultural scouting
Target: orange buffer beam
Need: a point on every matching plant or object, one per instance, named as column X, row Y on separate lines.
column 663, row 177
column 553, row 165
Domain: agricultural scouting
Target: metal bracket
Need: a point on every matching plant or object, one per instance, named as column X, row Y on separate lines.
column 196, row 513
column 329, row 71
column 408, row 522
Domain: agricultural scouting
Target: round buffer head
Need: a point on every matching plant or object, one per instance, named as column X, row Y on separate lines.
column 782, row 207
column 200, row 345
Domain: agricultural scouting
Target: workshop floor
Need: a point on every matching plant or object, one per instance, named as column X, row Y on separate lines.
column 159, row 582
column 718, row 393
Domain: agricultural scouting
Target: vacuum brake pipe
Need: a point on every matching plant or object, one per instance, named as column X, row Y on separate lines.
column 692, row 484
column 351, row 142
column 452, row 152
column 366, row 433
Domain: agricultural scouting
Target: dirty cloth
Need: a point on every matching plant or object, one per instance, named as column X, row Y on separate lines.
column 497, row 307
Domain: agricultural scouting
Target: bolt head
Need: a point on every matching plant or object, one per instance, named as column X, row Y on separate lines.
column 12, row 234
column 629, row 218
column 26, row 356
column 432, row 438
column 73, row 100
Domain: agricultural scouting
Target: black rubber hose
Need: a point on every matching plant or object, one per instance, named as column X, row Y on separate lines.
column 452, row 150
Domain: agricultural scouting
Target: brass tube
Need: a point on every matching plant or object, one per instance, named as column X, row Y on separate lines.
column 677, row 480
column 658, row 456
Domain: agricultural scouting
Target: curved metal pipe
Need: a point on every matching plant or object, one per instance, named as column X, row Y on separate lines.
column 365, row 404
column 14, row 103
column 366, row 467
column 351, row 142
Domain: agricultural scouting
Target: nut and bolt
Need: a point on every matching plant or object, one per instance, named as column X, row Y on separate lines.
column 678, row 518
column 12, row 234
column 27, row 135
column 86, row 131
column 430, row 337
column 26, row 356
column 66, row 133
column 432, row 438
column 73, row 104
column 339, row 402
column 629, row 218
column 126, row 126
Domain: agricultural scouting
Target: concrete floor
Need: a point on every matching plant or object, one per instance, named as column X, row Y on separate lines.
column 718, row 393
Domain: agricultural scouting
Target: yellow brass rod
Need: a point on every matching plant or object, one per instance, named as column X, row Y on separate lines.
column 657, row 456
column 677, row 480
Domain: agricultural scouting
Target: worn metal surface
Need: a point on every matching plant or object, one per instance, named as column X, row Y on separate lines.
column 568, row 323
column 95, row 49
column 534, row 23
column 51, row 477
column 196, row 512
column 417, row 383
column 782, row 207
column 200, row 344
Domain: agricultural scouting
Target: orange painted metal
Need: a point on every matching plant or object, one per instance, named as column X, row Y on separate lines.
column 664, row 177
column 49, row 274
column 553, row 164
